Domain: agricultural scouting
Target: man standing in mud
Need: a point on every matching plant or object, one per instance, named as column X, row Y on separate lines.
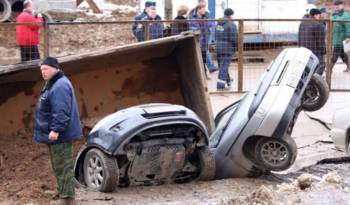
column 58, row 125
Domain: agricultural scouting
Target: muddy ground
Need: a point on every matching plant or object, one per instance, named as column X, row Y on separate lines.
column 27, row 176
column 27, row 179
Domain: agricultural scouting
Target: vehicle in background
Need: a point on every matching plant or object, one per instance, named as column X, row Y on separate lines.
column 340, row 131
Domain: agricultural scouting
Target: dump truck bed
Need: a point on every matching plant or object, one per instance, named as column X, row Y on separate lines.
column 167, row 70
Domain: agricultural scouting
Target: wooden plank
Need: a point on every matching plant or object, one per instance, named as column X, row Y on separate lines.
column 329, row 53
column 79, row 2
column 46, row 40
column 240, row 55
column 93, row 6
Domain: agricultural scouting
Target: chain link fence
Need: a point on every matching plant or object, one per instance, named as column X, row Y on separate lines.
column 243, row 47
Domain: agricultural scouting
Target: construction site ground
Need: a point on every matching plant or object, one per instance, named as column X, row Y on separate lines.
column 27, row 177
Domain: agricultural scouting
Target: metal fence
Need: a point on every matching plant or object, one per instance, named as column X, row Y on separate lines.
column 245, row 49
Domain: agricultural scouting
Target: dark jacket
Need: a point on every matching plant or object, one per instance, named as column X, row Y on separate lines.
column 226, row 37
column 203, row 27
column 57, row 111
column 178, row 27
column 312, row 35
column 156, row 28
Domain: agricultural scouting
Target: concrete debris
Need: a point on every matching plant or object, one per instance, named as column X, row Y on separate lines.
column 331, row 177
column 305, row 180
column 285, row 187
column 347, row 189
column 262, row 196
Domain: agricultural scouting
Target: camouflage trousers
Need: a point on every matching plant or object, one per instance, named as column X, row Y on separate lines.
column 61, row 156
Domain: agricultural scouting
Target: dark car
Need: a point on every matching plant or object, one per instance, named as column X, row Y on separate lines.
column 145, row 145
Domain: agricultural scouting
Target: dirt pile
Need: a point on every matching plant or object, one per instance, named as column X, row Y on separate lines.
column 262, row 196
column 73, row 38
column 25, row 170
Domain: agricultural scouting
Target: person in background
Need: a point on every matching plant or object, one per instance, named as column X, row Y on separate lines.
column 226, row 43
column 341, row 32
column 200, row 13
column 57, row 124
column 150, row 14
column 210, row 62
column 28, row 36
column 178, row 27
column 156, row 27
column 324, row 16
column 312, row 36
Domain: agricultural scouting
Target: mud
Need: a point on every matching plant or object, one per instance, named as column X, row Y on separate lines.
column 27, row 179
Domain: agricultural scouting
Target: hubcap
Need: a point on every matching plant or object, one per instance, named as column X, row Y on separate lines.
column 95, row 172
column 310, row 94
column 274, row 153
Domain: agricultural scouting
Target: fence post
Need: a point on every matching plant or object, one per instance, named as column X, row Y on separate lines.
column 147, row 31
column 240, row 54
column 329, row 53
column 46, row 40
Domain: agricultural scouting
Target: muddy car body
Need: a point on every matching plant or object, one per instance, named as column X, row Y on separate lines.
column 145, row 145
column 254, row 135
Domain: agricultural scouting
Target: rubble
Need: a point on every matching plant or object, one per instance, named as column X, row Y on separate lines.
column 305, row 181
column 262, row 196
column 331, row 177
column 285, row 187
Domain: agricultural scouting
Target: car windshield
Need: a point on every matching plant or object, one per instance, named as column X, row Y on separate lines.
column 223, row 119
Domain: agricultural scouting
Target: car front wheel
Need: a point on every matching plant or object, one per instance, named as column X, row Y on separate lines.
column 101, row 171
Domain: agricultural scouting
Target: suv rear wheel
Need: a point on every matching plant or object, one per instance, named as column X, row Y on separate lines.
column 316, row 94
column 275, row 154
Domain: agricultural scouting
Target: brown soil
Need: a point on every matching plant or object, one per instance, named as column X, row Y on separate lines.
column 25, row 170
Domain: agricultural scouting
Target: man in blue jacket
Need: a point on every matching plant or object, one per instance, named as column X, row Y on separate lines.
column 58, row 125
column 156, row 27
column 226, row 45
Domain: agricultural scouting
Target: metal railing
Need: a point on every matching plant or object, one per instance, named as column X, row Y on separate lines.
column 254, row 48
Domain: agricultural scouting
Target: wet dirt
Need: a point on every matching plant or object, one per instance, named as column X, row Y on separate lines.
column 27, row 179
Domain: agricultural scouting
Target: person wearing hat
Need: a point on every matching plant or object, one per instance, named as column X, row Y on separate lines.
column 341, row 32
column 57, row 124
column 226, row 45
column 312, row 35
column 324, row 15
column 150, row 14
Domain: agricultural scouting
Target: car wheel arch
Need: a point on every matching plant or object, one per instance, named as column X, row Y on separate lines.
column 79, row 166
